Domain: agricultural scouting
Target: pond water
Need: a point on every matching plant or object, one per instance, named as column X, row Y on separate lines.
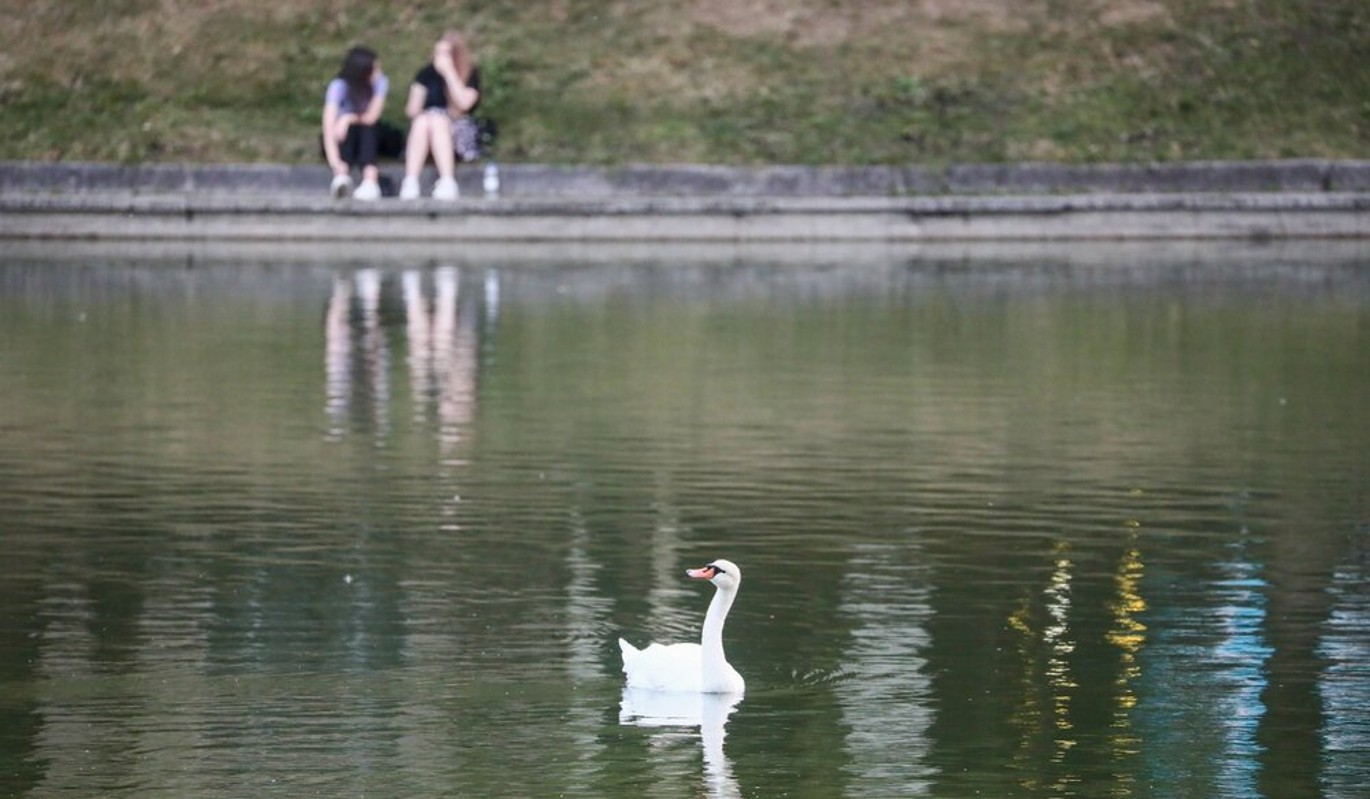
column 1081, row 522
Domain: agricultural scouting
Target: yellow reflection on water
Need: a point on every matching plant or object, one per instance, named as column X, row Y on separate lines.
column 1026, row 714
column 1051, row 717
column 1129, row 635
column 1045, row 644
column 1061, row 645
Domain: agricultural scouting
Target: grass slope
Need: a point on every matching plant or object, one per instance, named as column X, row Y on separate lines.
column 714, row 81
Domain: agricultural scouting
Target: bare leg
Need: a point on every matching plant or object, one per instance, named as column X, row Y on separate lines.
column 338, row 135
column 417, row 147
column 444, row 158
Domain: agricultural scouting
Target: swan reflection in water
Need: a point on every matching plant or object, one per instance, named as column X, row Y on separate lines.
column 671, row 712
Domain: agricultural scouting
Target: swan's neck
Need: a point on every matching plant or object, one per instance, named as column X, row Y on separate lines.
column 711, row 639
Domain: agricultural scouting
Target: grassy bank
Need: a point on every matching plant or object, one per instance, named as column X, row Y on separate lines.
column 712, row 81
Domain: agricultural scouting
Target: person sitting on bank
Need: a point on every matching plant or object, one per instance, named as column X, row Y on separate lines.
column 351, row 123
column 441, row 98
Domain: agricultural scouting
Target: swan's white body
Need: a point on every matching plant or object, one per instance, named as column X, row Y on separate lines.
column 692, row 668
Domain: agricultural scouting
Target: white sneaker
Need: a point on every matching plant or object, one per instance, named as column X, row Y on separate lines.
column 446, row 189
column 409, row 188
column 341, row 188
column 368, row 191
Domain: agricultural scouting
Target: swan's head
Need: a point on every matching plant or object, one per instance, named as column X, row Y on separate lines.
column 722, row 573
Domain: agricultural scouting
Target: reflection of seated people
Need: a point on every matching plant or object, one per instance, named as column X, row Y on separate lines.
column 443, row 347
column 441, row 98
column 356, row 355
column 338, row 356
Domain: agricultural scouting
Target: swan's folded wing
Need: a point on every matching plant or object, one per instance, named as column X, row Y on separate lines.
column 664, row 668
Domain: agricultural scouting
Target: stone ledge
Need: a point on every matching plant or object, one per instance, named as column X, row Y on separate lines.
column 176, row 204
column 583, row 182
column 1032, row 218
column 697, row 204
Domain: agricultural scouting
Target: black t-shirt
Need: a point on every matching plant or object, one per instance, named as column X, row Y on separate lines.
column 436, row 97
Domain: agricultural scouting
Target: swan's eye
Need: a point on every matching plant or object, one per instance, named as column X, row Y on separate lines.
column 714, row 568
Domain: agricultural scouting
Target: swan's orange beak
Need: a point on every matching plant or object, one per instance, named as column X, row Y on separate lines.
column 706, row 573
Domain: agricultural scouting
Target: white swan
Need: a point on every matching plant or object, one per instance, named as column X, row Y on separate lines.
column 692, row 668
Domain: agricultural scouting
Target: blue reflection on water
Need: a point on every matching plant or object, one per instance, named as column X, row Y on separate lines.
column 1206, row 670
column 1345, row 685
column 1241, row 654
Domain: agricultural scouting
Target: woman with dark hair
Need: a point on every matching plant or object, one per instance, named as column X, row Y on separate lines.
column 440, row 99
column 351, row 115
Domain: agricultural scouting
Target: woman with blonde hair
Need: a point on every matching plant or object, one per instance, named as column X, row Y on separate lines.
column 441, row 97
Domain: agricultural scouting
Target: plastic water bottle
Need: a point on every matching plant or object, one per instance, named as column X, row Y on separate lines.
column 491, row 182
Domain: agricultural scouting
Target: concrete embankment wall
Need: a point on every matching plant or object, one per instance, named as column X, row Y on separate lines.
column 1021, row 202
